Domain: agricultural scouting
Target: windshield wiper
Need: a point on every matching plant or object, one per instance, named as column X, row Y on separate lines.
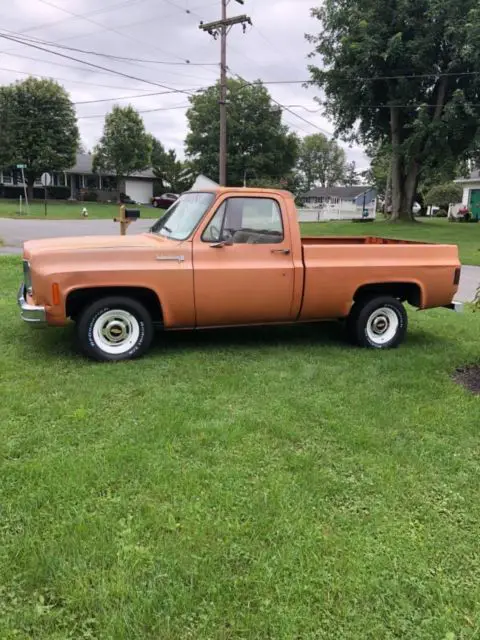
column 167, row 229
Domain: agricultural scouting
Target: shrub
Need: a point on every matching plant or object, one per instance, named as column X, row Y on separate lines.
column 90, row 196
column 442, row 195
column 441, row 213
column 53, row 193
column 58, row 193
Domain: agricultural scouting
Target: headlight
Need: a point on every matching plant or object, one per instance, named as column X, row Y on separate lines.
column 27, row 277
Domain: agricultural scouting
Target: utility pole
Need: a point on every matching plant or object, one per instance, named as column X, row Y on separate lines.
column 222, row 28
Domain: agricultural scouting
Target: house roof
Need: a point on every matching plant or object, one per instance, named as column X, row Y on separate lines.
column 84, row 164
column 336, row 192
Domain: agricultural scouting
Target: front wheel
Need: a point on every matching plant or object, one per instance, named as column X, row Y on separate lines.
column 115, row 328
column 378, row 323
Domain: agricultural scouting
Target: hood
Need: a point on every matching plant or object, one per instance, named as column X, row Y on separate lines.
column 85, row 243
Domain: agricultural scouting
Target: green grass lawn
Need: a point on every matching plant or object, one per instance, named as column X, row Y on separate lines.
column 438, row 230
column 255, row 484
column 61, row 210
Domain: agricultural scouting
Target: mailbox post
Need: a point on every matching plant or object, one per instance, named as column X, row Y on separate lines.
column 126, row 217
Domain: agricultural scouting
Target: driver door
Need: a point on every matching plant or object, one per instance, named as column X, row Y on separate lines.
column 243, row 265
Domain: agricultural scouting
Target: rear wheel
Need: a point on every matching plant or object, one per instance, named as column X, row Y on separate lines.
column 378, row 323
column 114, row 329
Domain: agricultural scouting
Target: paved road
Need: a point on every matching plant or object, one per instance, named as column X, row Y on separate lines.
column 15, row 232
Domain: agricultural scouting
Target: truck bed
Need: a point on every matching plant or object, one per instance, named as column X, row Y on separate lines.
column 335, row 267
column 355, row 240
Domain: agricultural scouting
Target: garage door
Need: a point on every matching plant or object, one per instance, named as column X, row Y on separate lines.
column 475, row 203
column 139, row 190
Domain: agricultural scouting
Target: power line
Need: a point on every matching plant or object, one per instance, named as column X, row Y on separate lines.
column 98, row 24
column 90, row 84
column 95, row 66
column 111, row 29
column 58, row 119
column 102, row 115
column 110, row 55
column 144, row 95
column 286, row 108
column 188, row 11
column 77, row 68
column 47, row 25
column 393, row 77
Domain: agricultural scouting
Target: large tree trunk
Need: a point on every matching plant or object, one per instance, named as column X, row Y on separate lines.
column 30, row 183
column 404, row 179
column 387, row 209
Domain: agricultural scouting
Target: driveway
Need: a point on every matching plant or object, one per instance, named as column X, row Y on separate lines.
column 15, row 232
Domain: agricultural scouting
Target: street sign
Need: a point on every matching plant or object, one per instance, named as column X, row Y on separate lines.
column 46, row 179
column 21, row 166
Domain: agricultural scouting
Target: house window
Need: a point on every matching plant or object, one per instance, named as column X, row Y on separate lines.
column 109, row 183
column 91, row 182
column 59, row 180
column 7, row 176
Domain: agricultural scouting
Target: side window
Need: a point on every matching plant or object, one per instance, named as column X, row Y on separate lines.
column 246, row 221
column 213, row 233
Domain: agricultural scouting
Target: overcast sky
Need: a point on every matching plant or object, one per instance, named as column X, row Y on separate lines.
column 274, row 49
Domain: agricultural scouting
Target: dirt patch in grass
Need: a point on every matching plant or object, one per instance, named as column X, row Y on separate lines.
column 469, row 377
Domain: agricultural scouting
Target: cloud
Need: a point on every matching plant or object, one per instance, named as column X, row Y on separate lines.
column 273, row 50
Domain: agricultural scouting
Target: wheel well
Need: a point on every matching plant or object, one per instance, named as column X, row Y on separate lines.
column 79, row 298
column 404, row 291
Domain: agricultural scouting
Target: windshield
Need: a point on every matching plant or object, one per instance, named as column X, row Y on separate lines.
column 182, row 218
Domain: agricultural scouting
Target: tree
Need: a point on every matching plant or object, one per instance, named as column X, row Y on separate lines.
column 171, row 173
column 124, row 147
column 158, row 153
column 351, row 174
column 178, row 175
column 321, row 161
column 82, row 147
column 405, row 74
column 258, row 143
column 443, row 195
column 38, row 128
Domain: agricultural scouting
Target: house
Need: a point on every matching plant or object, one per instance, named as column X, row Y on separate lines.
column 471, row 192
column 80, row 182
column 340, row 203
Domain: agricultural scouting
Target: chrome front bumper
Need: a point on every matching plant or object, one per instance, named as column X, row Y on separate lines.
column 30, row 312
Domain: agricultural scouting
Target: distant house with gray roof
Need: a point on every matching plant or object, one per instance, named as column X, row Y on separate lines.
column 81, row 181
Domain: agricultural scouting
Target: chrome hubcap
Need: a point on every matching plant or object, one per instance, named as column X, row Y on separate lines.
column 382, row 326
column 116, row 331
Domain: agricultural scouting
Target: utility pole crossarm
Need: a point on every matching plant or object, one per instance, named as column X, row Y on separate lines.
column 217, row 25
column 216, row 28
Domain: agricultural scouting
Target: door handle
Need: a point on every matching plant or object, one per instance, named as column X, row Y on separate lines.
column 285, row 252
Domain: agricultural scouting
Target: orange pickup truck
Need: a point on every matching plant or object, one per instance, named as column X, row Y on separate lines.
column 230, row 257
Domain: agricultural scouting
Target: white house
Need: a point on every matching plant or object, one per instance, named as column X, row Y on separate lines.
column 338, row 203
column 471, row 192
